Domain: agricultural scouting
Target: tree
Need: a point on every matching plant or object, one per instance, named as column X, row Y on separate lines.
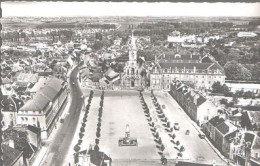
column 76, row 148
column 216, row 87
column 237, row 71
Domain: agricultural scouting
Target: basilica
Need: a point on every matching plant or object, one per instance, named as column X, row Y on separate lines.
column 132, row 75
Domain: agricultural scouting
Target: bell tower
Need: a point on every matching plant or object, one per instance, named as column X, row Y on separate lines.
column 132, row 49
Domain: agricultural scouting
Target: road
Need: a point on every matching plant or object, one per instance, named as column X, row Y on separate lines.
column 59, row 145
column 198, row 148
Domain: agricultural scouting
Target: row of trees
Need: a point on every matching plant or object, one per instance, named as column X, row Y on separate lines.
column 166, row 124
column 100, row 112
column 153, row 128
column 82, row 128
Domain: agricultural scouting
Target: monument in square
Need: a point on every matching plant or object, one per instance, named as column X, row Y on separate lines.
column 127, row 140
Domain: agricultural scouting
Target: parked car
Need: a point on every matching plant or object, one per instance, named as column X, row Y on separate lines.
column 201, row 135
column 187, row 132
column 176, row 126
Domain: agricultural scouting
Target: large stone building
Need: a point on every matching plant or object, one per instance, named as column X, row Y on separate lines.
column 46, row 105
column 193, row 103
column 193, row 69
column 132, row 76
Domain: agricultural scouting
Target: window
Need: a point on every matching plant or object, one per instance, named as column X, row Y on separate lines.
column 209, row 82
column 133, row 71
column 256, row 155
column 26, row 119
column 33, row 119
column 165, row 70
column 22, row 118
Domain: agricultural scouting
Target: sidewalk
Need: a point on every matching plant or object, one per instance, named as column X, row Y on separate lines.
column 43, row 151
column 40, row 156
column 198, row 129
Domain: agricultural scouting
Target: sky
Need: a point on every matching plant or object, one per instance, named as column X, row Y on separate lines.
column 69, row 9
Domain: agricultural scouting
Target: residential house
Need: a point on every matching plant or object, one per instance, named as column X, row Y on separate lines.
column 210, row 126
column 109, row 79
column 251, row 119
column 249, row 153
column 12, row 156
column 10, row 107
column 222, row 130
column 231, row 144
column 33, row 141
column 46, row 105
column 93, row 158
column 24, row 79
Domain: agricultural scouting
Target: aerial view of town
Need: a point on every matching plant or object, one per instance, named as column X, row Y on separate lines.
column 130, row 91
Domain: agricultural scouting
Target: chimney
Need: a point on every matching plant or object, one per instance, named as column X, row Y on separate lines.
column 191, row 56
column 11, row 143
column 107, row 162
column 195, row 97
column 194, row 69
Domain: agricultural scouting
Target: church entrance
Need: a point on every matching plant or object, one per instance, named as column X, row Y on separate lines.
column 132, row 83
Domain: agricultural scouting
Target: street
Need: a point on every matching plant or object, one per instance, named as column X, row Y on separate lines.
column 198, row 148
column 59, row 145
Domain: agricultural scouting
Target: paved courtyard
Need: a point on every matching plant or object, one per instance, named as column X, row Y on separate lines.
column 118, row 112
column 124, row 107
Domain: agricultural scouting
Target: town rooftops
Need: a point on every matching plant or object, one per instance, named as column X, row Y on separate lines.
column 11, row 155
column 10, row 103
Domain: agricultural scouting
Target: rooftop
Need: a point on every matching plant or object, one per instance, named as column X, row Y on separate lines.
column 10, row 155
column 225, row 127
column 46, row 91
column 216, row 121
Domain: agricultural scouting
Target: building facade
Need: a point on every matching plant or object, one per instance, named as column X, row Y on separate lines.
column 45, row 107
column 201, row 75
